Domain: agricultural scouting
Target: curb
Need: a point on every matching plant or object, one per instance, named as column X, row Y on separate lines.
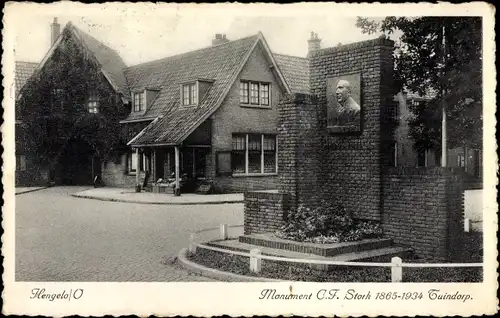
column 217, row 274
column 32, row 190
column 157, row 203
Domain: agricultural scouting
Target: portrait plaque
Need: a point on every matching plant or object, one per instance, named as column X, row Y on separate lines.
column 344, row 106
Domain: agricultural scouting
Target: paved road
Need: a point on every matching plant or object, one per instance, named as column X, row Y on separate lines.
column 63, row 238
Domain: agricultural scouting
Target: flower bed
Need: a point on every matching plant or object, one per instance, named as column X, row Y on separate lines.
column 302, row 272
column 326, row 223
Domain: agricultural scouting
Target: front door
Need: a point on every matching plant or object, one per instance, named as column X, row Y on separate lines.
column 76, row 164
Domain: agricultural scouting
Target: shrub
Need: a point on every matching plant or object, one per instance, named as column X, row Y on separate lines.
column 326, row 222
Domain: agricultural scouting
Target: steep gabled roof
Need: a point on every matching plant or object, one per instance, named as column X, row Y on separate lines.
column 296, row 72
column 112, row 65
column 23, row 70
column 220, row 64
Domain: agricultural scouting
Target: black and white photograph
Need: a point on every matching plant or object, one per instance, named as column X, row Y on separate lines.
column 341, row 164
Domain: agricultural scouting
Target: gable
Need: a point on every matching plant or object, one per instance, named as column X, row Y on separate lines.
column 111, row 64
column 222, row 64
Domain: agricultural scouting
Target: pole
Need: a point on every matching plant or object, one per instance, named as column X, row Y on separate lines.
column 137, row 171
column 444, row 148
column 177, row 171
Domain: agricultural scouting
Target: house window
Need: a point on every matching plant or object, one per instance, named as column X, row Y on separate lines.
column 238, row 154
column 58, row 95
column 254, row 93
column 93, row 103
column 264, row 94
column 21, row 163
column 461, row 160
column 139, row 104
column 244, row 92
column 189, row 94
column 133, row 161
column 254, row 154
column 269, row 154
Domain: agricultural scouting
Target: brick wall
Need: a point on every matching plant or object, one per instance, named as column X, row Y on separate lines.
column 230, row 184
column 299, row 148
column 113, row 174
column 232, row 117
column 351, row 163
column 265, row 211
column 423, row 208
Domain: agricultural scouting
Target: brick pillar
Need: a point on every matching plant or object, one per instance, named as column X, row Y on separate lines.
column 299, row 147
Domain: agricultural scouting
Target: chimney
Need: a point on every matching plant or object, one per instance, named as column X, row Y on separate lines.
column 55, row 29
column 314, row 43
column 219, row 39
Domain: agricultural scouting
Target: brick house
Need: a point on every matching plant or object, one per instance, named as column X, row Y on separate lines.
column 209, row 114
column 78, row 163
column 467, row 159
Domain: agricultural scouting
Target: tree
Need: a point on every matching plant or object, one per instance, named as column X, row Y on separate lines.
column 450, row 74
column 53, row 106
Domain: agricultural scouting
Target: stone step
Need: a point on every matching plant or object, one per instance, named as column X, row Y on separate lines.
column 270, row 241
column 380, row 255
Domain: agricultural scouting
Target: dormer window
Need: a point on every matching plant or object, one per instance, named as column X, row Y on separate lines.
column 93, row 103
column 189, row 94
column 139, row 102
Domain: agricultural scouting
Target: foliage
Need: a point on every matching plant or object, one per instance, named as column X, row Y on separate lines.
column 53, row 105
column 326, row 223
column 453, row 78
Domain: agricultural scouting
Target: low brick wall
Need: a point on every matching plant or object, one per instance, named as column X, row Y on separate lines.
column 423, row 208
column 231, row 184
column 265, row 211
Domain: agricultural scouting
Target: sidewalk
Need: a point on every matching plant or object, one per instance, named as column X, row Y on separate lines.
column 21, row 190
column 130, row 196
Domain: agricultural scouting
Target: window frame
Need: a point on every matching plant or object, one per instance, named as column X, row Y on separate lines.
column 142, row 102
column 140, row 161
column 262, row 155
column 247, row 100
column 93, row 100
column 193, row 93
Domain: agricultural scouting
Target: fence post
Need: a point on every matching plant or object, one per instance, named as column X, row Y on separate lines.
column 223, row 231
column 255, row 262
column 396, row 269
column 192, row 246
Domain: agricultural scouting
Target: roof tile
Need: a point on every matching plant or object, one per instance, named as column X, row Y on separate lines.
column 295, row 71
column 23, row 70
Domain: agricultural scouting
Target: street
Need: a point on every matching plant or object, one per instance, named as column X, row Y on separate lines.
column 63, row 238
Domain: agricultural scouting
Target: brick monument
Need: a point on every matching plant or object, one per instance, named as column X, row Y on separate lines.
column 352, row 164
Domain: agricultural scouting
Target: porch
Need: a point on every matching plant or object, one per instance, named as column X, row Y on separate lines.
column 170, row 169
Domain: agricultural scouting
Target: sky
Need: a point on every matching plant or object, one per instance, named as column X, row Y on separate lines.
column 145, row 33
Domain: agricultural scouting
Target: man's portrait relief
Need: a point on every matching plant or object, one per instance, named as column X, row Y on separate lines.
column 343, row 103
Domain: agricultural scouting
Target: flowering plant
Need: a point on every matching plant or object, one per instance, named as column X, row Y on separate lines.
column 326, row 222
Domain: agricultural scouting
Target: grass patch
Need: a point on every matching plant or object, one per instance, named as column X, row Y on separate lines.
column 303, row 272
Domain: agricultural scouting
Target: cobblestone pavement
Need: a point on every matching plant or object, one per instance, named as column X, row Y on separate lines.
column 63, row 238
